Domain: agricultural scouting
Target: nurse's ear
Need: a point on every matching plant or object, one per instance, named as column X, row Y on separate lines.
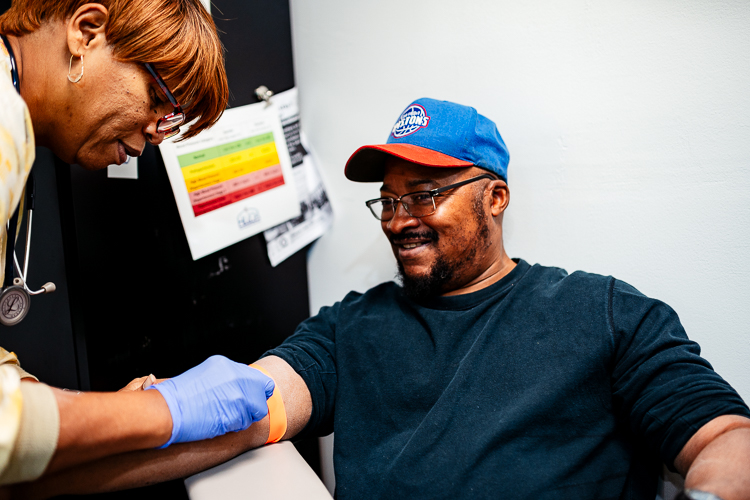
column 85, row 28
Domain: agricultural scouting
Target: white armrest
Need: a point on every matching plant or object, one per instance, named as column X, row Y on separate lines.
column 275, row 471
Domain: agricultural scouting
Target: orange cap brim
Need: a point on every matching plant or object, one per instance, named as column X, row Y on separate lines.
column 367, row 164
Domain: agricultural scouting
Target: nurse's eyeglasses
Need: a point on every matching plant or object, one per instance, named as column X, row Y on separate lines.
column 417, row 204
column 170, row 124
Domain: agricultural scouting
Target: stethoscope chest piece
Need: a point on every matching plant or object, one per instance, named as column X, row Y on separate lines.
column 14, row 303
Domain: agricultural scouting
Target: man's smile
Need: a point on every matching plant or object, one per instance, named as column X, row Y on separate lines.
column 409, row 245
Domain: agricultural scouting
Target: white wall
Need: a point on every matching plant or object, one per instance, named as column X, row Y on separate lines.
column 628, row 124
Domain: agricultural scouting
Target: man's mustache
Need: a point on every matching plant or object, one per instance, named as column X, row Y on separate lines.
column 397, row 239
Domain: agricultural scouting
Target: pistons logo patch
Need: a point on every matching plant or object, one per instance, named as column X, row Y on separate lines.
column 412, row 119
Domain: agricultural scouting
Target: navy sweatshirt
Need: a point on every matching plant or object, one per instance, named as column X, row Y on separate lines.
column 542, row 385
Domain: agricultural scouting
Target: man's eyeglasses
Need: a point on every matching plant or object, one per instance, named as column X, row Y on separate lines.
column 417, row 204
column 170, row 124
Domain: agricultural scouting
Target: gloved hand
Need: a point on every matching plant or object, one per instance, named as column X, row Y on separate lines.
column 213, row 398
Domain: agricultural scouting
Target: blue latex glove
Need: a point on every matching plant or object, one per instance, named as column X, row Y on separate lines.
column 213, row 398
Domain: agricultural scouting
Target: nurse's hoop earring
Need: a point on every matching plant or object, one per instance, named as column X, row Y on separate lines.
column 70, row 66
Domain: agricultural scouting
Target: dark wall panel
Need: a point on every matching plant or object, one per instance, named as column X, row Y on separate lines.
column 257, row 36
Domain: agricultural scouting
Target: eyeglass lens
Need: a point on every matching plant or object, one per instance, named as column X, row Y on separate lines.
column 171, row 121
column 418, row 204
column 170, row 125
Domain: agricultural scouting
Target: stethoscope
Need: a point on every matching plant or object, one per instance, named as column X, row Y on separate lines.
column 15, row 297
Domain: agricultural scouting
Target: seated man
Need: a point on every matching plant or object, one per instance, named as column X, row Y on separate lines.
column 481, row 375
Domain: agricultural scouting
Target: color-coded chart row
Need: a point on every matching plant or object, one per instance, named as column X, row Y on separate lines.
column 224, row 149
column 238, row 183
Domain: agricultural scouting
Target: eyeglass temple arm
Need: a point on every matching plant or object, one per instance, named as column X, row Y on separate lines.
column 162, row 85
column 437, row 191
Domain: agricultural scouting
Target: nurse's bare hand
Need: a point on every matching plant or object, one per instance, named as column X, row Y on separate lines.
column 140, row 383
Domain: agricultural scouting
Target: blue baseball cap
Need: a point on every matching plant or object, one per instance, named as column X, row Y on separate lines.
column 435, row 134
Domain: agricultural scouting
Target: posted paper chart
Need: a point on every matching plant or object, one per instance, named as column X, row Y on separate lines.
column 233, row 180
column 225, row 174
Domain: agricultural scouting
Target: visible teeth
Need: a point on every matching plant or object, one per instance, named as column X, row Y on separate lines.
column 411, row 245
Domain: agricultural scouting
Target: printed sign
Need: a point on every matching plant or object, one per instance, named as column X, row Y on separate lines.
column 233, row 180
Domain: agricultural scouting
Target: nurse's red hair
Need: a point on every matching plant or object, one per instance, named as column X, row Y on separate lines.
column 178, row 37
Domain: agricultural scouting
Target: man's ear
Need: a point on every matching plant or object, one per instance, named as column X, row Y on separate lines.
column 500, row 197
column 85, row 28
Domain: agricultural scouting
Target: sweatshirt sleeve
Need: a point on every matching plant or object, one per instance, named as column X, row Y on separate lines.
column 311, row 353
column 661, row 384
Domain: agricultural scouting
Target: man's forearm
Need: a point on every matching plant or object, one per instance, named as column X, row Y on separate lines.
column 723, row 466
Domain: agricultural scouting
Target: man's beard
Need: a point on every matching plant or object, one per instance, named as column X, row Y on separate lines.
column 443, row 273
column 422, row 287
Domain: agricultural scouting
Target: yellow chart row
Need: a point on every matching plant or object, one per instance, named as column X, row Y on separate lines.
column 221, row 162
column 228, row 167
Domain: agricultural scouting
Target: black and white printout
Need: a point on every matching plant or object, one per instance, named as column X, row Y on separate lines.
column 316, row 214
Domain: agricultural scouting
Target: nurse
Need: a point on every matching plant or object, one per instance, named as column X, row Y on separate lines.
column 94, row 82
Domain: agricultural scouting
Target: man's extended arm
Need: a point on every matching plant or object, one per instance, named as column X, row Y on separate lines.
column 141, row 468
column 60, row 429
column 717, row 458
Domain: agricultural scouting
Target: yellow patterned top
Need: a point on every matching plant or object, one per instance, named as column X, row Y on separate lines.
column 16, row 157
column 16, row 148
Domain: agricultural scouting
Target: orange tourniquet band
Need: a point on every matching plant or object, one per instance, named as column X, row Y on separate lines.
column 276, row 411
